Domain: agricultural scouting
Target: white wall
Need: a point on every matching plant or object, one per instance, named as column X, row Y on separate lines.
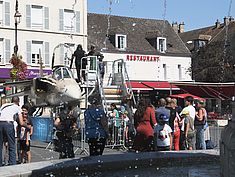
column 152, row 70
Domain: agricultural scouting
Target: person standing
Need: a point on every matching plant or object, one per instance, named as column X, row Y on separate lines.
column 116, row 122
column 200, row 122
column 24, row 135
column 65, row 124
column 192, row 112
column 162, row 134
column 8, row 110
column 96, row 126
column 144, row 121
column 79, row 63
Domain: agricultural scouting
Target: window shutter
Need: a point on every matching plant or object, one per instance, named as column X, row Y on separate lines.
column 46, row 17
column 62, row 55
column 47, row 62
column 28, row 16
column 7, row 50
column 61, row 16
column 77, row 21
column 28, row 50
column 7, row 13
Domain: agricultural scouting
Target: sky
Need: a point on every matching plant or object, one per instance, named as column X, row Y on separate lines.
column 194, row 13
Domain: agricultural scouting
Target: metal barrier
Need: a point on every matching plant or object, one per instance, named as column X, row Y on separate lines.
column 118, row 133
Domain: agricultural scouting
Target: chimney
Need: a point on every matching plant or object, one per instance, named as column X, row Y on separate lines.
column 217, row 24
column 181, row 27
column 231, row 19
column 175, row 26
column 226, row 21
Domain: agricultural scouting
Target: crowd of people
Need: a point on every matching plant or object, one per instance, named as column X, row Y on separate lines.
column 169, row 127
column 16, row 129
column 162, row 128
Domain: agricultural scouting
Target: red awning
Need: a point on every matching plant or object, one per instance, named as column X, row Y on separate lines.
column 153, row 86
column 183, row 95
column 208, row 90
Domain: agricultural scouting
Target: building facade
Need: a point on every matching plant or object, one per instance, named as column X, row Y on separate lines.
column 43, row 26
column 151, row 49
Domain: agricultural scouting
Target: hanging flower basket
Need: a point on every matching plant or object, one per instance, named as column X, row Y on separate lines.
column 19, row 69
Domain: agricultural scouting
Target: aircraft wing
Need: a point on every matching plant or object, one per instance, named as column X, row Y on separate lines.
column 20, row 87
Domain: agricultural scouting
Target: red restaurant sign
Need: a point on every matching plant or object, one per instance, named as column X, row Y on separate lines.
column 144, row 58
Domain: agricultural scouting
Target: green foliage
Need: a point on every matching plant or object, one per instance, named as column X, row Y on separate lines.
column 214, row 64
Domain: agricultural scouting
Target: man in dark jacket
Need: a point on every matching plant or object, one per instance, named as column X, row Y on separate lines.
column 79, row 63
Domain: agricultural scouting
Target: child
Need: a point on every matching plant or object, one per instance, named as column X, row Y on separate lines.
column 189, row 130
column 25, row 134
column 126, row 125
column 162, row 134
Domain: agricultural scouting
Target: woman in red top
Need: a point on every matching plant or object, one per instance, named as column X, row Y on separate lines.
column 144, row 120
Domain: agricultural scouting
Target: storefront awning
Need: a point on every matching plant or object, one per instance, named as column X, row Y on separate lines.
column 184, row 95
column 153, row 85
column 222, row 91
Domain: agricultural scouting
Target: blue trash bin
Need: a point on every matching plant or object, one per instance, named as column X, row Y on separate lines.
column 42, row 129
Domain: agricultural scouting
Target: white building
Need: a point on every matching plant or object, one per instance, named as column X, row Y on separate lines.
column 154, row 54
column 44, row 24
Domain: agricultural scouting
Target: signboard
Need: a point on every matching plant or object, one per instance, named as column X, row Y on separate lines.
column 31, row 73
column 143, row 58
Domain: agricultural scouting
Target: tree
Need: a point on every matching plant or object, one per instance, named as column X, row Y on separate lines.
column 214, row 63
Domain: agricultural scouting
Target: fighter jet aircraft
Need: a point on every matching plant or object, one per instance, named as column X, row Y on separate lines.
column 53, row 90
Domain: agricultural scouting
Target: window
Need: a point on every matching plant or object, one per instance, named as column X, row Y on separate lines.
column 5, row 50
column 37, row 17
column 161, row 44
column 165, row 72
column 4, row 13
column 199, row 43
column 69, row 21
column 37, row 47
column 120, row 41
column 180, row 72
column 1, row 13
column 35, row 50
column 1, row 51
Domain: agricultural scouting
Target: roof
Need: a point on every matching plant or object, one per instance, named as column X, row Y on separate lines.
column 210, row 33
column 137, row 30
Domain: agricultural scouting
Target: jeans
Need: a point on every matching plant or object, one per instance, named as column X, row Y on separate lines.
column 200, row 139
column 8, row 130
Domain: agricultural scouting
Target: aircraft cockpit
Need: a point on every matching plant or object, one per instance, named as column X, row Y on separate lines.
column 62, row 72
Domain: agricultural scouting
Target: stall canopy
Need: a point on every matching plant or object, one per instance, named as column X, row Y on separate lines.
column 222, row 91
column 157, row 85
column 184, row 95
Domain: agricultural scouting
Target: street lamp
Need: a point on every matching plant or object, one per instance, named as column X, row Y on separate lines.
column 17, row 21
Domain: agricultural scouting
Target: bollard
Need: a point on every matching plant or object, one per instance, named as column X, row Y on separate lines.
column 227, row 147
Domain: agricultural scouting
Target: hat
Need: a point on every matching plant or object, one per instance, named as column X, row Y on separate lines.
column 163, row 117
column 185, row 112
